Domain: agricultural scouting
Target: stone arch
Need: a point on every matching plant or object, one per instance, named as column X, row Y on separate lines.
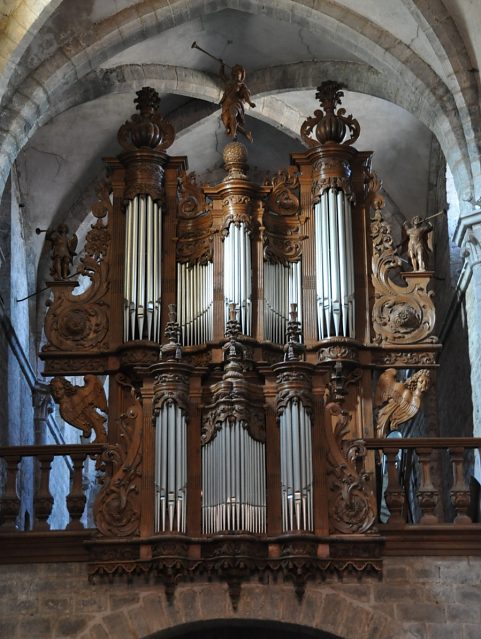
column 66, row 66
column 327, row 608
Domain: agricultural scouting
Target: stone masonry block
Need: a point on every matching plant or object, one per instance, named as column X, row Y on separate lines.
column 420, row 612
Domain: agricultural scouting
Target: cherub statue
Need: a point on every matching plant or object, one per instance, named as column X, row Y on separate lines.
column 398, row 401
column 417, row 231
column 79, row 404
column 63, row 251
column 236, row 94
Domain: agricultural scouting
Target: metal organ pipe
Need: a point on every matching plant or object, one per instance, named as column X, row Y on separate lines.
column 237, row 275
column 334, row 265
column 143, row 247
column 296, row 467
column 282, row 287
column 233, row 476
column 170, row 469
column 195, row 299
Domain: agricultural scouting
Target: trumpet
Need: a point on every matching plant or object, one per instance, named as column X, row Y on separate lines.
column 196, row 46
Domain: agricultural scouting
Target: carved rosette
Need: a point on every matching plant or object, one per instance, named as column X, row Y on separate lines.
column 352, row 504
column 81, row 322
column 400, row 314
column 194, row 226
column 327, row 124
column 283, row 218
column 117, row 507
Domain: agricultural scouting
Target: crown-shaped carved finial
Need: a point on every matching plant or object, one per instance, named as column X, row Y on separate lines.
column 329, row 125
column 146, row 129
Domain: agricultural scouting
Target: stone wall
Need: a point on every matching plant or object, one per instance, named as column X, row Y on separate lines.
column 418, row 598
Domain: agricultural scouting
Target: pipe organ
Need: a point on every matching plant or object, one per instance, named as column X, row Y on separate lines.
column 240, row 325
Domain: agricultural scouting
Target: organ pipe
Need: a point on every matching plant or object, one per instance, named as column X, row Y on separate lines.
column 296, row 467
column 282, row 288
column 170, row 469
column 237, row 275
column 195, row 298
column 233, row 481
column 142, row 274
column 334, row 265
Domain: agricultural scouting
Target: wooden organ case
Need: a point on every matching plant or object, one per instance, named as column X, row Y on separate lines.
column 240, row 327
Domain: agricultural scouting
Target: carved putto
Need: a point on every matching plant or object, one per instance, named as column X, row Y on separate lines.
column 62, row 249
column 397, row 402
column 235, row 95
column 418, row 231
column 329, row 125
column 79, row 405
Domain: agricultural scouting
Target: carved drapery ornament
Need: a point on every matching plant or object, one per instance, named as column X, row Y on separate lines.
column 81, row 322
column 283, row 219
column 194, row 225
column 352, row 504
column 331, row 172
column 293, row 385
column 401, row 314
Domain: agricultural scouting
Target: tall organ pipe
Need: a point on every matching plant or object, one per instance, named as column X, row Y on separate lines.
column 238, row 275
column 234, row 482
column 334, row 265
column 170, row 469
column 142, row 279
column 296, row 467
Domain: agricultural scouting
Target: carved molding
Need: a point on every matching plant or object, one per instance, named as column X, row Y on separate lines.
column 352, row 504
column 401, row 314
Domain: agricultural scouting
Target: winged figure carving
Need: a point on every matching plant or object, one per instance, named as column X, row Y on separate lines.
column 398, row 401
column 79, row 405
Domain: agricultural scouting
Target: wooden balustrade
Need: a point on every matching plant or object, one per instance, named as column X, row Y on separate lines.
column 429, row 492
column 43, row 500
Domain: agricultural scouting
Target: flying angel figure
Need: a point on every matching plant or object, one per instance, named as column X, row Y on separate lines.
column 79, row 404
column 398, row 401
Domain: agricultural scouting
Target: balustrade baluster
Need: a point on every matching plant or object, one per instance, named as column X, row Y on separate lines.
column 10, row 503
column 427, row 494
column 460, row 496
column 76, row 498
column 43, row 500
column 394, row 494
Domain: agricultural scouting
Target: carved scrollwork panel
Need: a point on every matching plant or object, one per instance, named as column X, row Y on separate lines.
column 352, row 504
column 194, row 226
column 117, row 507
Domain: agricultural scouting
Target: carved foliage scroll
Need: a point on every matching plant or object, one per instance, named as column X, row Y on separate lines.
column 194, row 227
column 81, row 322
column 117, row 508
column 352, row 504
column 402, row 313
column 283, row 219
